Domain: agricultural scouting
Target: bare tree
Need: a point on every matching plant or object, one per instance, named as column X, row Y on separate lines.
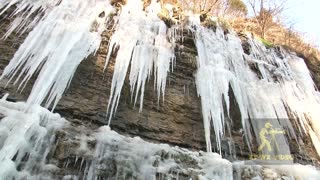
column 235, row 8
column 265, row 11
column 200, row 5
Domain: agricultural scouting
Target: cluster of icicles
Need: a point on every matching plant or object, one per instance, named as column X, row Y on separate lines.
column 63, row 33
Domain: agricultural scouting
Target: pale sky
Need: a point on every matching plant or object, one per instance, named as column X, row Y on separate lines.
column 306, row 15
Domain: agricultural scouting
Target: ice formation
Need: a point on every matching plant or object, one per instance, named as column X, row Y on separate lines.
column 142, row 41
column 66, row 34
column 33, row 144
column 25, row 11
column 266, row 83
column 151, row 160
column 26, row 138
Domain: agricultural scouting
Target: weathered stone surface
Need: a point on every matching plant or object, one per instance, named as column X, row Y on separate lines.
column 176, row 120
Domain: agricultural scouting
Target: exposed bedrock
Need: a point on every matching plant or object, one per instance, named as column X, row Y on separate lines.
column 176, row 120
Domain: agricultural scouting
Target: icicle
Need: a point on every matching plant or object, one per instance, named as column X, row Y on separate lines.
column 216, row 58
column 27, row 13
column 66, row 32
column 142, row 41
column 64, row 37
column 32, row 133
column 285, row 83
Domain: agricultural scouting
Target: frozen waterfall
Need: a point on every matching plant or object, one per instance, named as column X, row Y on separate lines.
column 38, row 144
column 279, row 89
column 29, row 142
column 65, row 35
column 268, row 87
column 142, row 41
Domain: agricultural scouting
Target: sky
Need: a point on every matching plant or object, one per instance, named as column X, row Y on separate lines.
column 306, row 15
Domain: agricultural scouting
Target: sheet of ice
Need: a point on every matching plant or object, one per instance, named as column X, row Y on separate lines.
column 25, row 139
column 56, row 46
column 289, row 171
column 290, row 91
column 298, row 171
column 138, row 159
column 304, row 100
column 141, row 41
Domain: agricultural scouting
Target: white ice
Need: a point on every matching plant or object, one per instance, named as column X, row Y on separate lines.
column 28, row 138
column 27, row 13
column 25, row 134
column 264, row 84
column 57, row 44
column 137, row 157
column 141, row 41
column 277, row 89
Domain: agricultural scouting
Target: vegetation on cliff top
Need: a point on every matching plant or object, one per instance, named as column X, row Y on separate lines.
column 266, row 21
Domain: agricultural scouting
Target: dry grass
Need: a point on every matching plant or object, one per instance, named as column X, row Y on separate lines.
column 277, row 34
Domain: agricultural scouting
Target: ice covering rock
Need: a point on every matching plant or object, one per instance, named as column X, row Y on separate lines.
column 293, row 171
column 145, row 160
column 26, row 138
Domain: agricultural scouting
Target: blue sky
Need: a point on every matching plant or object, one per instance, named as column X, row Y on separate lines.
column 306, row 15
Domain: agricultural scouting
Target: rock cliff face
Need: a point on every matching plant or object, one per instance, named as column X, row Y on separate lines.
column 176, row 120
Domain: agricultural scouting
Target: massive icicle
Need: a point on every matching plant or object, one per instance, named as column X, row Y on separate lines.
column 141, row 40
column 58, row 43
column 218, row 67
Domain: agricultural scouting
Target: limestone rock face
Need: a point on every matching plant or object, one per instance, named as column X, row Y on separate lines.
column 176, row 120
